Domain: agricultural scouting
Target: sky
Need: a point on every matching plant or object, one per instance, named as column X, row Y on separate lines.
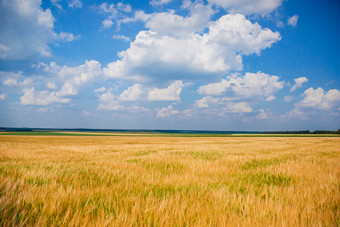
column 255, row 65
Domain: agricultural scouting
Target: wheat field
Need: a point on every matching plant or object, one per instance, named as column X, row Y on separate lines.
column 169, row 181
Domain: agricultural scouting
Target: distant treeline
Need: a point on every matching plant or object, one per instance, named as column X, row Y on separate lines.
column 165, row 131
column 306, row 132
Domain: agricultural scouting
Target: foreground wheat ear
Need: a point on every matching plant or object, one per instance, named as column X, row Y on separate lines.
column 163, row 181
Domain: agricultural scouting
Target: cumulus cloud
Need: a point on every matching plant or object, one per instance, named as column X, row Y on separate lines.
column 250, row 85
column 122, row 37
column 66, row 81
column 3, row 96
column 171, row 93
column 12, row 79
column 159, row 2
column 68, row 37
column 11, row 82
column 99, row 90
column 319, row 99
column 222, row 106
column 248, row 7
column 270, row 98
column 292, row 21
column 315, row 100
column 157, row 55
column 167, row 111
column 115, row 12
column 240, row 107
column 206, row 101
column 171, row 24
column 139, row 93
column 75, row 4
column 27, row 30
column 262, row 115
column 41, row 98
column 133, row 93
column 295, row 113
column 74, row 77
column 108, row 101
column 298, row 83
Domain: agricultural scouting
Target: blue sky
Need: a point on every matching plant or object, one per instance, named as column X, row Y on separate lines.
column 170, row 64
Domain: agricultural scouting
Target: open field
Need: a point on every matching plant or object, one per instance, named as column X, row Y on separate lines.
column 169, row 181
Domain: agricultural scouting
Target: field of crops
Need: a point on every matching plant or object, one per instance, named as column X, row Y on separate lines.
column 169, row 181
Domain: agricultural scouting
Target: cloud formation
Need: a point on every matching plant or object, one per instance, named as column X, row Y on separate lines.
column 298, row 83
column 319, row 99
column 66, row 81
column 27, row 30
column 250, row 85
column 292, row 21
column 155, row 55
column 167, row 111
column 248, row 7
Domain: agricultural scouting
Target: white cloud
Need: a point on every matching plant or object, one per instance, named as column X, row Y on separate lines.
column 116, row 12
column 99, row 90
column 292, row 21
column 75, row 4
column 41, row 98
column 107, row 101
column 206, row 101
column 248, row 7
column 56, row 3
column 74, row 77
column 298, row 83
column 221, row 106
column 157, row 56
column 295, row 113
column 28, row 30
column 107, row 23
column 167, row 111
column 319, row 99
column 63, row 80
column 288, row 98
column 3, row 96
column 171, row 93
column 313, row 100
column 262, row 115
column 171, row 24
column 159, row 2
column 12, row 79
column 11, row 82
column 133, row 93
column 270, row 98
column 122, row 37
column 68, row 37
column 51, row 85
column 250, row 85
column 240, row 107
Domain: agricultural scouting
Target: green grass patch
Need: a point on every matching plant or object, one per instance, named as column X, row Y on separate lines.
column 48, row 133
column 143, row 153
column 37, row 181
column 260, row 179
column 205, row 155
column 254, row 164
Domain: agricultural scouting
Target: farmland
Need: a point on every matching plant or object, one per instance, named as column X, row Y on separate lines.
column 162, row 180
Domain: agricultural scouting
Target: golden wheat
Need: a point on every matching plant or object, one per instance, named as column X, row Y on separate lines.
column 169, row 181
